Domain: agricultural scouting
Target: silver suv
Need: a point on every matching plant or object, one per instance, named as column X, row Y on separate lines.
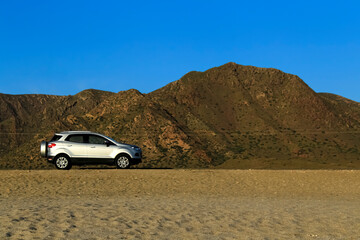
column 82, row 147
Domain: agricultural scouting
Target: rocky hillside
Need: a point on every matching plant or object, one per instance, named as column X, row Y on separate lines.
column 231, row 116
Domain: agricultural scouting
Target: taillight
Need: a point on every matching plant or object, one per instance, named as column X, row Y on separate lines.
column 51, row 145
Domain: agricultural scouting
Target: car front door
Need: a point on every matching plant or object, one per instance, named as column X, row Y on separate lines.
column 99, row 149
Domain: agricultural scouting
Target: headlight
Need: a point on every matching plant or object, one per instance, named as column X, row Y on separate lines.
column 136, row 148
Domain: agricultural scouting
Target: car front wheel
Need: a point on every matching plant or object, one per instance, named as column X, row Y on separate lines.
column 122, row 161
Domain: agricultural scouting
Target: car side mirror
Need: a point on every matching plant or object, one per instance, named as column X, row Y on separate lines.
column 107, row 143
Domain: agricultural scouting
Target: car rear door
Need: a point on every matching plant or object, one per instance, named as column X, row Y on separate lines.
column 75, row 144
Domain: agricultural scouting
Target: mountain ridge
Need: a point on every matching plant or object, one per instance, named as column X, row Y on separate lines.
column 231, row 116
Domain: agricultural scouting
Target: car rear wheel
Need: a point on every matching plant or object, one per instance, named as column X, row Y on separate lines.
column 122, row 161
column 62, row 162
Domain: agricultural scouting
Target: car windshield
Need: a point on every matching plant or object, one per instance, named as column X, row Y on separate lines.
column 112, row 139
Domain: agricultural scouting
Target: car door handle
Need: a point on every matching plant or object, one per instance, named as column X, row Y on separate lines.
column 93, row 147
column 69, row 145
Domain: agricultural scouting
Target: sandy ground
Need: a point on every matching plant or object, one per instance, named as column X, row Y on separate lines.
column 179, row 204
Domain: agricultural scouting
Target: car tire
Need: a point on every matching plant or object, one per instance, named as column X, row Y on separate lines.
column 122, row 161
column 62, row 162
column 43, row 148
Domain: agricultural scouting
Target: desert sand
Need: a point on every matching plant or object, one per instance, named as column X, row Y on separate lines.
column 179, row 204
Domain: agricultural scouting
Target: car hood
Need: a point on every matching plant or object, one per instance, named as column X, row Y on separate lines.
column 124, row 145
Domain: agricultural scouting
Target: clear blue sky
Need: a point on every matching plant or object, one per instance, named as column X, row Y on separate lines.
column 63, row 47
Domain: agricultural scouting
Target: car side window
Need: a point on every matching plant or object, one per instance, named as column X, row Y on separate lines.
column 97, row 139
column 75, row 138
column 55, row 138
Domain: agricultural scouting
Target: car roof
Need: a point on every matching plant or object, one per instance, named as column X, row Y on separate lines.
column 77, row 132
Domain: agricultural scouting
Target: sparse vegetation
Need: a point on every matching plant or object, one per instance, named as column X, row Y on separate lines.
column 200, row 120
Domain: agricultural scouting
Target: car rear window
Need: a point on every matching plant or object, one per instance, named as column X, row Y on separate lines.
column 55, row 138
column 75, row 138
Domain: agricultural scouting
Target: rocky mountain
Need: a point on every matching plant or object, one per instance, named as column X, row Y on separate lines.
column 231, row 116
